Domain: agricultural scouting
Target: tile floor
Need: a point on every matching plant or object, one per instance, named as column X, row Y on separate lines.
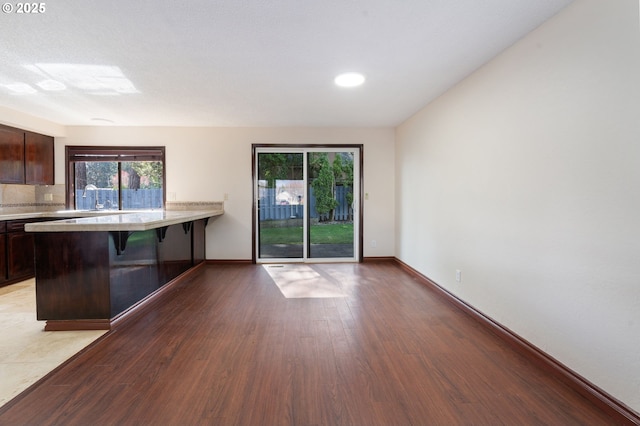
column 27, row 352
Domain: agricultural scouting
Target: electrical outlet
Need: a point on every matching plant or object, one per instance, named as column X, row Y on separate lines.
column 48, row 197
column 374, row 243
column 458, row 275
column 226, row 197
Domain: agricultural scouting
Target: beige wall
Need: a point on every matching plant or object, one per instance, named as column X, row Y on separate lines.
column 10, row 117
column 203, row 164
column 526, row 178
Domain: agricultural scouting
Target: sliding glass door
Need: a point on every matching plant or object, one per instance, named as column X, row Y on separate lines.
column 307, row 204
column 281, row 195
column 331, row 194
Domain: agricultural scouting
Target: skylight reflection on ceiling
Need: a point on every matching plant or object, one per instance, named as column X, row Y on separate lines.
column 20, row 89
column 51, row 85
column 93, row 79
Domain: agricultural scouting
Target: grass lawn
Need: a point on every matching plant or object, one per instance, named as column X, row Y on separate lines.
column 333, row 233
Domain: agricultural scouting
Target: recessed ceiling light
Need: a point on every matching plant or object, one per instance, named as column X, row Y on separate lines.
column 349, row 79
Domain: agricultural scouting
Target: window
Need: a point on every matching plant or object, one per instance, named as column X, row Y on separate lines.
column 115, row 178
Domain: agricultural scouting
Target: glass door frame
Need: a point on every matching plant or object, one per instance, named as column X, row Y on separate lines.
column 358, row 185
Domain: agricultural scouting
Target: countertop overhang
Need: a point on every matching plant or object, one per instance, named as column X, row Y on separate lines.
column 87, row 221
column 62, row 214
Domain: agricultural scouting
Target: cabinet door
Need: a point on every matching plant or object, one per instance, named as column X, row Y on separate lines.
column 11, row 155
column 38, row 151
column 21, row 255
column 3, row 258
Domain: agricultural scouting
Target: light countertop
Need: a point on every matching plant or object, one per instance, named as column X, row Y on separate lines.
column 62, row 214
column 112, row 220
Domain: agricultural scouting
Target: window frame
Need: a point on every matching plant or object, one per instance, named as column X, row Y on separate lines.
column 305, row 148
column 77, row 153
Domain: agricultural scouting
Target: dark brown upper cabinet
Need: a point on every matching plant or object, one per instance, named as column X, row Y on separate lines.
column 38, row 159
column 25, row 157
column 11, row 155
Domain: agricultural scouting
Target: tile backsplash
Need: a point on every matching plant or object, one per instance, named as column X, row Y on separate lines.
column 31, row 198
column 38, row 198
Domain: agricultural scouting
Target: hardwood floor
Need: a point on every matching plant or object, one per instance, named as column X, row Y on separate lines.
column 225, row 347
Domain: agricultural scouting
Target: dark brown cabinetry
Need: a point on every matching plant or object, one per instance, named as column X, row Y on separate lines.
column 11, row 155
column 38, row 159
column 20, row 254
column 25, row 157
column 17, row 254
column 3, row 254
column 85, row 280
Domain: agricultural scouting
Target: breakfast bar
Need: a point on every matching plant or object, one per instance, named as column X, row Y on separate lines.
column 93, row 271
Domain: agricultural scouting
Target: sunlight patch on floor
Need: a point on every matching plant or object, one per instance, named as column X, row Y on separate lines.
column 302, row 281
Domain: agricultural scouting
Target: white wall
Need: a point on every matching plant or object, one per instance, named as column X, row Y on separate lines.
column 203, row 164
column 526, row 177
column 24, row 121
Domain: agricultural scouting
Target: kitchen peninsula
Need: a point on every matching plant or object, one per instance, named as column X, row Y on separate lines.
column 91, row 271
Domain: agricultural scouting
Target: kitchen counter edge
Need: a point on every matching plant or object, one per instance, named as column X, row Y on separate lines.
column 113, row 221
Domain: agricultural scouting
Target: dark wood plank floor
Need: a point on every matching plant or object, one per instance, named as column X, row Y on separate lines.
column 225, row 347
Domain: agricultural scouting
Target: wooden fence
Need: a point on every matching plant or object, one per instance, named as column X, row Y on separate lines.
column 132, row 199
column 271, row 209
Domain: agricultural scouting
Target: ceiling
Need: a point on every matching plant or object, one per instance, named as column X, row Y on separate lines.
column 250, row 62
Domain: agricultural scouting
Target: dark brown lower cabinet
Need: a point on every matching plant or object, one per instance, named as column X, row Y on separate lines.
column 20, row 256
column 16, row 252
column 17, row 255
column 3, row 259
column 87, row 279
